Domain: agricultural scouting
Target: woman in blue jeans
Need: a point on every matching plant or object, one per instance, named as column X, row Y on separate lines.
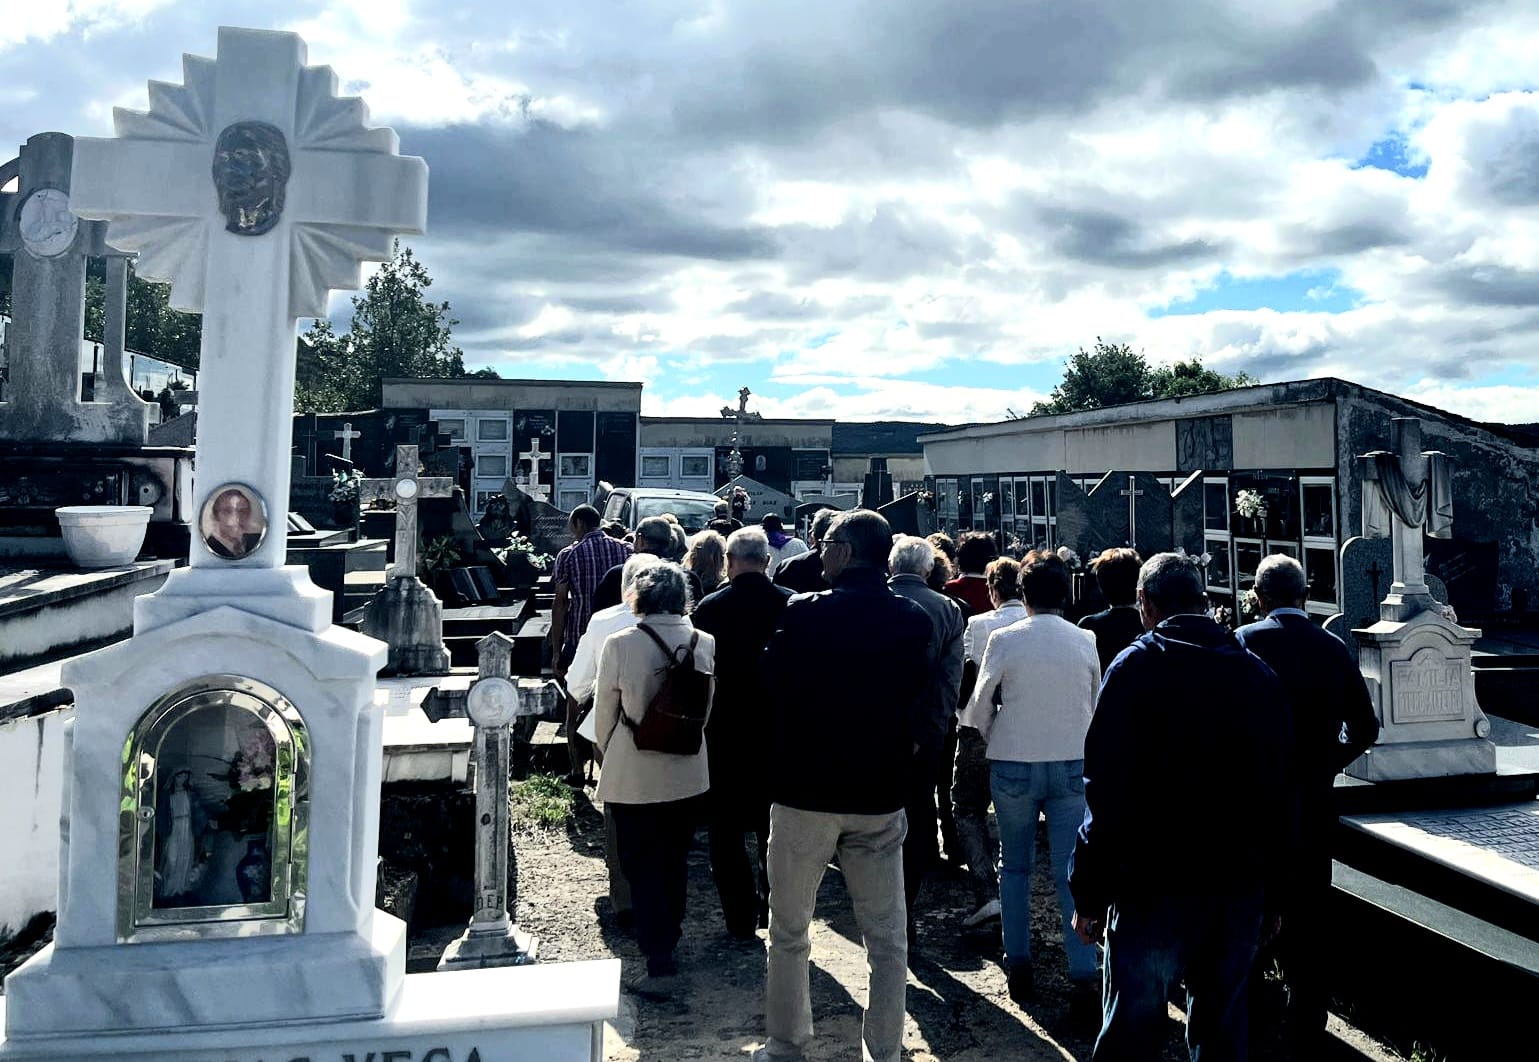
column 1046, row 673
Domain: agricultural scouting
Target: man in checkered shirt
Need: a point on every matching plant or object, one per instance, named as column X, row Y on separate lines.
column 579, row 567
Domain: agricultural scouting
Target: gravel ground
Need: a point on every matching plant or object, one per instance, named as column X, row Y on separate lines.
column 958, row 1009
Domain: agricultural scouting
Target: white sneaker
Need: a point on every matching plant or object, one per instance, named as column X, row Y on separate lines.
column 982, row 914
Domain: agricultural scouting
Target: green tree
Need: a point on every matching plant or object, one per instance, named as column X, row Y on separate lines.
column 152, row 326
column 1112, row 374
column 395, row 331
column 1193, row 378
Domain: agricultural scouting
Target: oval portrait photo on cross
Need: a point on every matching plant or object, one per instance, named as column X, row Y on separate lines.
column 234, row 521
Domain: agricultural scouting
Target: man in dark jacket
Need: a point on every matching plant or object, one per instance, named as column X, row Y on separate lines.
column 741, row 616
column 1333, row 722
column 910, row 562
column 1189, row 822
column 840, row 763
column 803, row 573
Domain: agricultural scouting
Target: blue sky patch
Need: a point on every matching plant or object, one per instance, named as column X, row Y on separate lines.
column 1390, row 154
column 1309, row 290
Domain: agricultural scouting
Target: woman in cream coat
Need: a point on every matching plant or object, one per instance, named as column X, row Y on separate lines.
column 652, row 795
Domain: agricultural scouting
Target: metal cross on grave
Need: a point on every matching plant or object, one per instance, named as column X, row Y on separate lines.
column 405, row 489
column 254, row 190
column 347, row 435
column 534, row 456
column 1132, row 494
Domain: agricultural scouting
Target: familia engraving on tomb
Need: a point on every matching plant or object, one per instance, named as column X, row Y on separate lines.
column 1429, row 686
column 219, row 855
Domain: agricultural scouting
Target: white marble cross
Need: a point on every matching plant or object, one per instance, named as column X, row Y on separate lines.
column 405, row 488
column 347, row 435
column 534, row 456
column 254, row 190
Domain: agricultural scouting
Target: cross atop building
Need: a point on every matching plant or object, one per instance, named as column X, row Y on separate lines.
column 254, row 190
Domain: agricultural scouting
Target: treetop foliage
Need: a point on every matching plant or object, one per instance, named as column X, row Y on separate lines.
column 395, row 331
column 1112, row 374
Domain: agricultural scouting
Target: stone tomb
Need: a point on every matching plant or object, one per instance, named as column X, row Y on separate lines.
column 1416, row 662
column 218, row 849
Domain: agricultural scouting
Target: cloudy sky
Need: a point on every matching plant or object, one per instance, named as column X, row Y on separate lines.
column 919, row 208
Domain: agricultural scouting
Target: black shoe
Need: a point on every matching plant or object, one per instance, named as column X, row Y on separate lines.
column 1019, row 980
column 1085, row 1006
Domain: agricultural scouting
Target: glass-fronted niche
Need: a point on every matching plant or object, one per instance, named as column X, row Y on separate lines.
column 213, row 832
column 1019, row 510
column 1248, row 516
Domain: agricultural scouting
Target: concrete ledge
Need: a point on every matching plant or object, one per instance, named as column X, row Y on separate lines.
column 46, row 614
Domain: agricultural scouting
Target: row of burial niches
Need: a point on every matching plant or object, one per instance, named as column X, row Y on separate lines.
column 213, row 837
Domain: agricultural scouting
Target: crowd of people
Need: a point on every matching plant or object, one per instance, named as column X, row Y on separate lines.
column 1183, row 770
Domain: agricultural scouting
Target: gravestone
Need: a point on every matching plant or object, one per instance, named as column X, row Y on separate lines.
column 1416, row 662
column 493, row 703
column 1366, row 565
column 761, row 499
column 218, row 861
column 1187, row 529
column 49, row 245
column 1142, row 512
column 406, row 614
column 549, row 528
column 1088, row 523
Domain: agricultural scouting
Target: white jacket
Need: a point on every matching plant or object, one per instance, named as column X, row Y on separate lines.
column 1048, row 674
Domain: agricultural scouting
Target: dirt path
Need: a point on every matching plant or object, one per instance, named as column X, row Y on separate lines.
column 958, row 1009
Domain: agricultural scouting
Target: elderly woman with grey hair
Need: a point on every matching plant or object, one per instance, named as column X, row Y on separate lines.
column 652, row 795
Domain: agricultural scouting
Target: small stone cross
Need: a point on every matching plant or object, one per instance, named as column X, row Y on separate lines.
column 1132, row 494
column 405, row 489
column 493, row 704
column 347, row 435
column 534, row 456
column 254, row 190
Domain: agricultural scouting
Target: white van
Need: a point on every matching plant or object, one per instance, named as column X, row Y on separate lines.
column 631, row 505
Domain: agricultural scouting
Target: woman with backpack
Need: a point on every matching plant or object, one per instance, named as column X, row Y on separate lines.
column 650, row 706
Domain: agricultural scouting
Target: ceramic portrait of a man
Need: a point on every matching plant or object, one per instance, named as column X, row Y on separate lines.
column 234, row 521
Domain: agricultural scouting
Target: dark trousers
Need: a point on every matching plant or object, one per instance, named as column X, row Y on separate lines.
column 950, row 841
column 1302, row 947
column 921, row 850
column 742, row 882
column 1151, row 942
column 653, row 842
column 970, row 799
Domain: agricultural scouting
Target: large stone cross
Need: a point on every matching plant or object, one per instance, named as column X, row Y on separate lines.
column 254, row 190
column 49, row 246
column 405, row 489
column 347, row 435
column 1406, row 494
column 1132, row 494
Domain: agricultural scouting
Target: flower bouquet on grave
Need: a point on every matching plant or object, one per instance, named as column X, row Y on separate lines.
column 344, row 497
column 523, row 559
column 1252, row 506
column 249, row 807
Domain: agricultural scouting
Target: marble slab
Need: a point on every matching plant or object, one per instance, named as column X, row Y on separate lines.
column 1497, row 845
column 416, row 748
column 553, row 1013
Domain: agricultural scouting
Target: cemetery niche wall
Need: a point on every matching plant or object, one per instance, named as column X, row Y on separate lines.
column 218, row 854
column 1234, row 476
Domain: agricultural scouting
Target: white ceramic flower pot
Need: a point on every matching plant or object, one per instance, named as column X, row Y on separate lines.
column 103, row 536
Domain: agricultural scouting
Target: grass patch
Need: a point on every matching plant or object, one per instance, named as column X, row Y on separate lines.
column 541, row 800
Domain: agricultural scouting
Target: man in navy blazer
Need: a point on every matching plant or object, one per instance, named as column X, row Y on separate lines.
column 1334, row 722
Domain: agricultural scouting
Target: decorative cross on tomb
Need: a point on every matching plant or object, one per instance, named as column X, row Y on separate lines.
column 49, row 245
column 254, row 190
column 1407, row 492
column 1132, row 494
column 534, row 456
column 404, row 490
column 347, row 435
column 493, row 704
